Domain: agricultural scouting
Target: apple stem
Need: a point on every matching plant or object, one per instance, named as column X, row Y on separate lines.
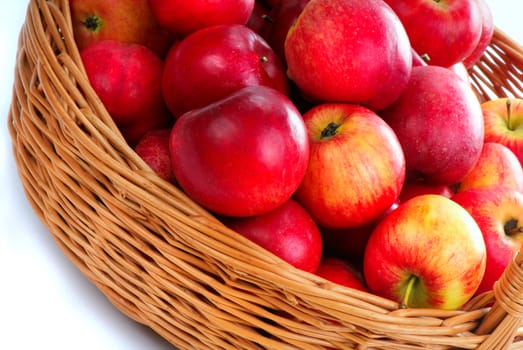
column 92, row 23
column 406, row 298
column 267, row 18
column 509, row 113
column 330, row 130
column 425, row 57
column 264, row 59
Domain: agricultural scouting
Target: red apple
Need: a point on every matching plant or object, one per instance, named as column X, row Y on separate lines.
column 487, row 31
column 352, row 51
column 216, row 61
column 439, row 124
column 416, row 187
column 503, row 119
column 342, row 272
column 287, row 231
column 498, row 211
column 182, row 17
column 350, row 243
column 133, row 22
column 356, row 168
column 243, row 155
column 283, row 16
column 429, row 252
column 153, row 148
column 497, row 165
column 446, row 30
column 126, row 77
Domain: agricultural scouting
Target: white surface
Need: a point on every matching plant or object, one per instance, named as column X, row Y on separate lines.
column 45, row 303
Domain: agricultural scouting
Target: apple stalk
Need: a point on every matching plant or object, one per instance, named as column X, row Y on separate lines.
column 413, row 280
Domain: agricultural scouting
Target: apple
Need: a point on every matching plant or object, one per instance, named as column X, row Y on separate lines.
column 356, row 167
column 498, row 210
column 133, row 22
column 439, row 123
column 342, row 272
column 213, row 62
column 445, row 30
column 497, row 165
column 487, row 31
column 350, row 243
column 181, row 17
column 503, row 119
column 243, row 155
column 126, row 77
column 283, row 16
column 419, row 186
column 351, row 51
column 260, row 16
column 427, row 253
column 153, row 148
column 288, row 232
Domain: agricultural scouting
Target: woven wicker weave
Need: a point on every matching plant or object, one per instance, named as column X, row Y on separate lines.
column 165, row 262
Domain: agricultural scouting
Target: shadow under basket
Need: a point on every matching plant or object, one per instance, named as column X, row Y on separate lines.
column 167, row 263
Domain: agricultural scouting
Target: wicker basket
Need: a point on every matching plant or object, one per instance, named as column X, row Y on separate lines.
column 165, row 262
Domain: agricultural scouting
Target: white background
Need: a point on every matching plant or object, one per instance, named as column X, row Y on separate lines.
column 45, row 302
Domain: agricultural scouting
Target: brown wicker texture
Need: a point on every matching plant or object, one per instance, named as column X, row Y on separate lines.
column 165, row 262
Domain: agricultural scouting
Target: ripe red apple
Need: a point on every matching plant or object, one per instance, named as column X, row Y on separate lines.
column 416, row 187
column 153, row 148
column 216, row 61
column 439, row 124
column 182, row 17
column 356, row 167
column 497, row 165
column 498, row 211
column 447, row 31
column 283, row 16
column 503, row 119
column 243, row 155
column 342, row 272
column 487, row 31
column 350, row 243
column 133, row 22
column 287, row 231
column 429, row 252
column 126, row 78
column 352, row 51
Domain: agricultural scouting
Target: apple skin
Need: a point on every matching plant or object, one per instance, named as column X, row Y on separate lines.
column 126, row 78
column 132, row 22
column 153, row 148
column 356, row 167
column 283, row 16
column 447, row 31
column 497, row 165
column 487, row 31
column 213, row 62
column 361, row 55
column 431, row 244
column 181, row 17
column 439, row 123
column 287, row 231
column 416, row 187
column 243, row 155
column 342, row 272
column 497, row 210
column 503, row 122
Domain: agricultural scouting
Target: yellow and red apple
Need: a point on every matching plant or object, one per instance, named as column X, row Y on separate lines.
column 356, row 168
column 503, row 118
column 429, row 252
column 497, row 165
column 498, row 211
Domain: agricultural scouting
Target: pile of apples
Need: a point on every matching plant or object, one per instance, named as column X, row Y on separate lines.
column 341, row 135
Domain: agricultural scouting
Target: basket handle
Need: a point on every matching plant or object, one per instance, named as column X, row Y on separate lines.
column 506, row 314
